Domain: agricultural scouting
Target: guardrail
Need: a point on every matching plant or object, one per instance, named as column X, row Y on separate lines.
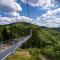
column 11, row 49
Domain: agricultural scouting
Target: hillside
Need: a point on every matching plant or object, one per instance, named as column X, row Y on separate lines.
column 45, row 39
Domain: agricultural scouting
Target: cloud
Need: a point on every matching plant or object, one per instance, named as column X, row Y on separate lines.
column 49, row 19
column 7, row 20
column 10, row 7
column 47, row 4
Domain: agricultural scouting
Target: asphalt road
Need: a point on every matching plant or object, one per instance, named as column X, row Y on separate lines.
column 11, row 49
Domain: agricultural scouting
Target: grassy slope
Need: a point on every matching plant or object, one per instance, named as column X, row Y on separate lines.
column 20, row 55
column 46, row 39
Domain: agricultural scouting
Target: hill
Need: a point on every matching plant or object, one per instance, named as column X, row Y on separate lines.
column 45, row 39
column 57, row 29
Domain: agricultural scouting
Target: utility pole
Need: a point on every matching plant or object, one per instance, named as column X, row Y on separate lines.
column 27, row 7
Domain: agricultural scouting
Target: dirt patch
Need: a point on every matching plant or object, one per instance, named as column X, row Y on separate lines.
column 19, row 55
column 23, row 53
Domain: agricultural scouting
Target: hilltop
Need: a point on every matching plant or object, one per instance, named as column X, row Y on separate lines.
column 43, row 38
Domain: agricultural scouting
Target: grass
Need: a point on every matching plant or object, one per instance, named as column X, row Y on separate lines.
column 27, row 54
column 20, row 55
column 24, row 54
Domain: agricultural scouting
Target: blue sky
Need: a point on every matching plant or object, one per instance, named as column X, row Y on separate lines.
column 34, row 12
column 41, row 12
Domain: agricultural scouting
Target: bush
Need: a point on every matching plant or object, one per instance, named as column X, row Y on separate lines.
column 35, row 53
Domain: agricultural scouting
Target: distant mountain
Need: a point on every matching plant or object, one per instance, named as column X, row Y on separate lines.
column 57, row 29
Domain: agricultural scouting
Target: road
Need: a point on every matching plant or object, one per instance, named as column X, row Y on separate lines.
column 11, row 49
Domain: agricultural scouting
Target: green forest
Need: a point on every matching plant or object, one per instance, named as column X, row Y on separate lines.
column 45, row 41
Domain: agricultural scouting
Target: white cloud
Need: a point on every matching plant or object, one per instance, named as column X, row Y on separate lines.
column 24, row 19
column 7, row 20
column 43, row 3
column 49, row 19
column 10, row 7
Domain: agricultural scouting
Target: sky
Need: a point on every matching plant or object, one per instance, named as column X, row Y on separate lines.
column 41, row 12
